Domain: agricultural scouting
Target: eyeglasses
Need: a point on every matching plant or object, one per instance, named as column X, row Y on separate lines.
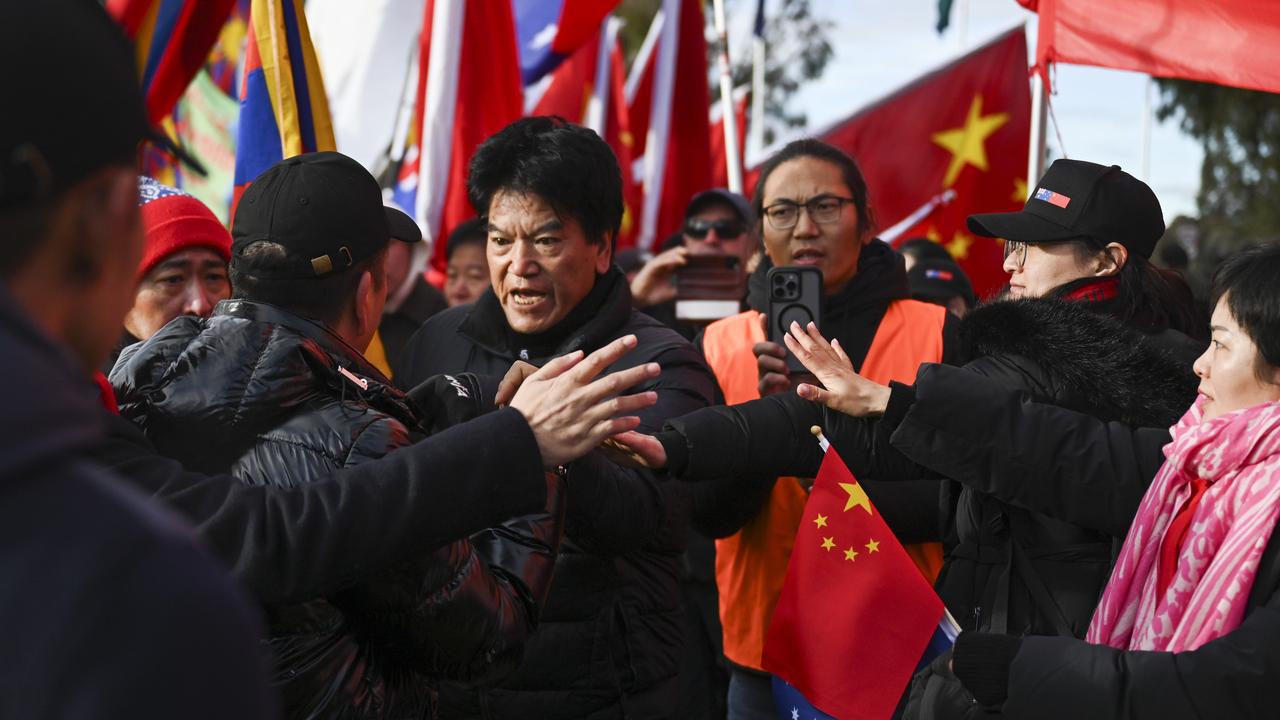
column 725, row 229
column 824, row 210
column 1016, row 250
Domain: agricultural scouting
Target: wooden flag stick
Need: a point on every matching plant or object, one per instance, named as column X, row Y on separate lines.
column 822, row 439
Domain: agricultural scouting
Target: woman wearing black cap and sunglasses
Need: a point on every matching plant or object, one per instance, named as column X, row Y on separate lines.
column 1087, row 324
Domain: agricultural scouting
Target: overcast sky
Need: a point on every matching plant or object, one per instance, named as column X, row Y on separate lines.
column 882, row 44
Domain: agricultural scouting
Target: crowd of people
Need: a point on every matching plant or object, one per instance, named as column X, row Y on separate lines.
column 272, row 471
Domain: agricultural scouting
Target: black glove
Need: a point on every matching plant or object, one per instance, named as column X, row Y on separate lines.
column 442, row 401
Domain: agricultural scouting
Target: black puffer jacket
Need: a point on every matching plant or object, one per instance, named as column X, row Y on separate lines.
column 274, row 398
column 1052, row 350
column 610, row 640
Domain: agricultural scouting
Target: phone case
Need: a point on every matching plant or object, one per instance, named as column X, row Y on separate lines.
column 795, row 295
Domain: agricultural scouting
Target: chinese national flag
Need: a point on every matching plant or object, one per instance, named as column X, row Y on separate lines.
column 1217, row 42
column 855, row 616
column 962, row 129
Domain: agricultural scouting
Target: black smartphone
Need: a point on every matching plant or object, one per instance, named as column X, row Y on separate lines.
column 795, row 295
column 710, row 287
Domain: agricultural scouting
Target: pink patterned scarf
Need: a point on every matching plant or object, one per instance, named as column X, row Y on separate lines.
column 1239, row 453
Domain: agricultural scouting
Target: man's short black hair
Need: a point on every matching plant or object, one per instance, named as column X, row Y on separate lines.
column 925, row 249
column 814, row 148
column 321, row 298
column 1248, row 280
column 467, row 232
column 566, row 165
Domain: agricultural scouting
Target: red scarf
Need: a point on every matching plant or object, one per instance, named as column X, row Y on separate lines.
column 1106, row 288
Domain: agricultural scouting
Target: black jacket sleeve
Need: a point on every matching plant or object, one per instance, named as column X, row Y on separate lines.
column 1235, row 676
column 293, row 544
column 981, row 433
column 615, row 510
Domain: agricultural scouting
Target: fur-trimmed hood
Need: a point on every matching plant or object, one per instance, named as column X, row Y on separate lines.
column 1064, row 352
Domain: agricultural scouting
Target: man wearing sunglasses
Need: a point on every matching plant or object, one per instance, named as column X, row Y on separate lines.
column 716, row 222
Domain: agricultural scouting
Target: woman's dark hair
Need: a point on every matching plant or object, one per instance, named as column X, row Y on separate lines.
column 925, row 249
column 467, row 232
column 1250, row 281
column 566, row 165
column 1148, row 298
column 811, row 148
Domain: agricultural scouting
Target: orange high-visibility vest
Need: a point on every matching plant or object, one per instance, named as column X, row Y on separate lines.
column 751, row 564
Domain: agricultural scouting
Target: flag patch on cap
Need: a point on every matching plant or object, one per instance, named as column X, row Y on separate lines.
column 939, row 275
column 1052, row 197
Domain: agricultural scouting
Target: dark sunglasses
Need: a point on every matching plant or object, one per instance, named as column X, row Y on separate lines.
column 698, row 229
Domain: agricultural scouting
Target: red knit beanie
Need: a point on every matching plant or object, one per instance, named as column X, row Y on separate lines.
column 175, row 221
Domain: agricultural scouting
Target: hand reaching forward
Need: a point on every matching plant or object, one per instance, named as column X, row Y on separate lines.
column 570, row 412
column 845, row 390
column 633, row 449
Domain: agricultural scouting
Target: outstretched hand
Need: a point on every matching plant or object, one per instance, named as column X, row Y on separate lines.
column 843, row 389
column 634, row 449
column 571, row 412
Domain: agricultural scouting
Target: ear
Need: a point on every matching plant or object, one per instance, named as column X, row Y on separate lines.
column 604, row 256
column 364, row 304
column 1112, row 260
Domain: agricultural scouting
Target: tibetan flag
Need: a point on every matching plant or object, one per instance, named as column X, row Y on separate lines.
column 856, row 617
column 172, row 41
column 959, row 137
column 550, row 31
column 283, row 108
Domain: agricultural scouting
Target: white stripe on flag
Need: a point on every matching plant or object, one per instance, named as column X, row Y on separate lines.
column 438, row 114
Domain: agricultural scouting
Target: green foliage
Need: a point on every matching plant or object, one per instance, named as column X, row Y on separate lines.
column 1240, row 178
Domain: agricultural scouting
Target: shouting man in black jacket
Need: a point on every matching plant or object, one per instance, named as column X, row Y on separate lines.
column 610, row 640
column 273, row 388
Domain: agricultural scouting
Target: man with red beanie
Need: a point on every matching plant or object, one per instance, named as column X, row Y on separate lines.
column 184, row 262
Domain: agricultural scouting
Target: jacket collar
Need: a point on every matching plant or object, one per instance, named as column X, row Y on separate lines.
column 341, row 352
column 588, row 326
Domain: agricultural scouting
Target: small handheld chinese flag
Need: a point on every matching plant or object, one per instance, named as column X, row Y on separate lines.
column 855, row 617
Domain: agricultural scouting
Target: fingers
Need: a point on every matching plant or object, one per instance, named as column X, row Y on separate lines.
column 773, row 383
column 768, row 349
column 512, row 381
column 615, row 383
column 839, row 351
column 596, row 362
column 813, row 392
column 558, row 366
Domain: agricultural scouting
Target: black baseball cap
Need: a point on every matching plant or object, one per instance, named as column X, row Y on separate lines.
column 939, row 281
column 1082, row 199
column 721, row 196
column 326, row 211
column 74, row 103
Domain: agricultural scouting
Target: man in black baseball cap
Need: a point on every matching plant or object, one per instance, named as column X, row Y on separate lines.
column 108, row 607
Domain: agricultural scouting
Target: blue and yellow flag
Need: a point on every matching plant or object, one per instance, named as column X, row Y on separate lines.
column 283, row 107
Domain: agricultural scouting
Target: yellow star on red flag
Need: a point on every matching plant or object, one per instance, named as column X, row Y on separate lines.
column 828, row 543
column 873, row 546
column 967, row 144
column 820, row 521
column 850, row 555
column 857, row 497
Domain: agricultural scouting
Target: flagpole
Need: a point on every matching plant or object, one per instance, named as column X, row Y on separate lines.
column 1039, row 108
column 1146, row 130
column 732, row 160
column 755, row 144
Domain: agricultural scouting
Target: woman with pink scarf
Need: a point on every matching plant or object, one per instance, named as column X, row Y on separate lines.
column 1189, row 623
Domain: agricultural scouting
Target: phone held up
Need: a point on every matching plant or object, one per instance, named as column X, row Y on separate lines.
column 710, row 287
column 795, row 295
